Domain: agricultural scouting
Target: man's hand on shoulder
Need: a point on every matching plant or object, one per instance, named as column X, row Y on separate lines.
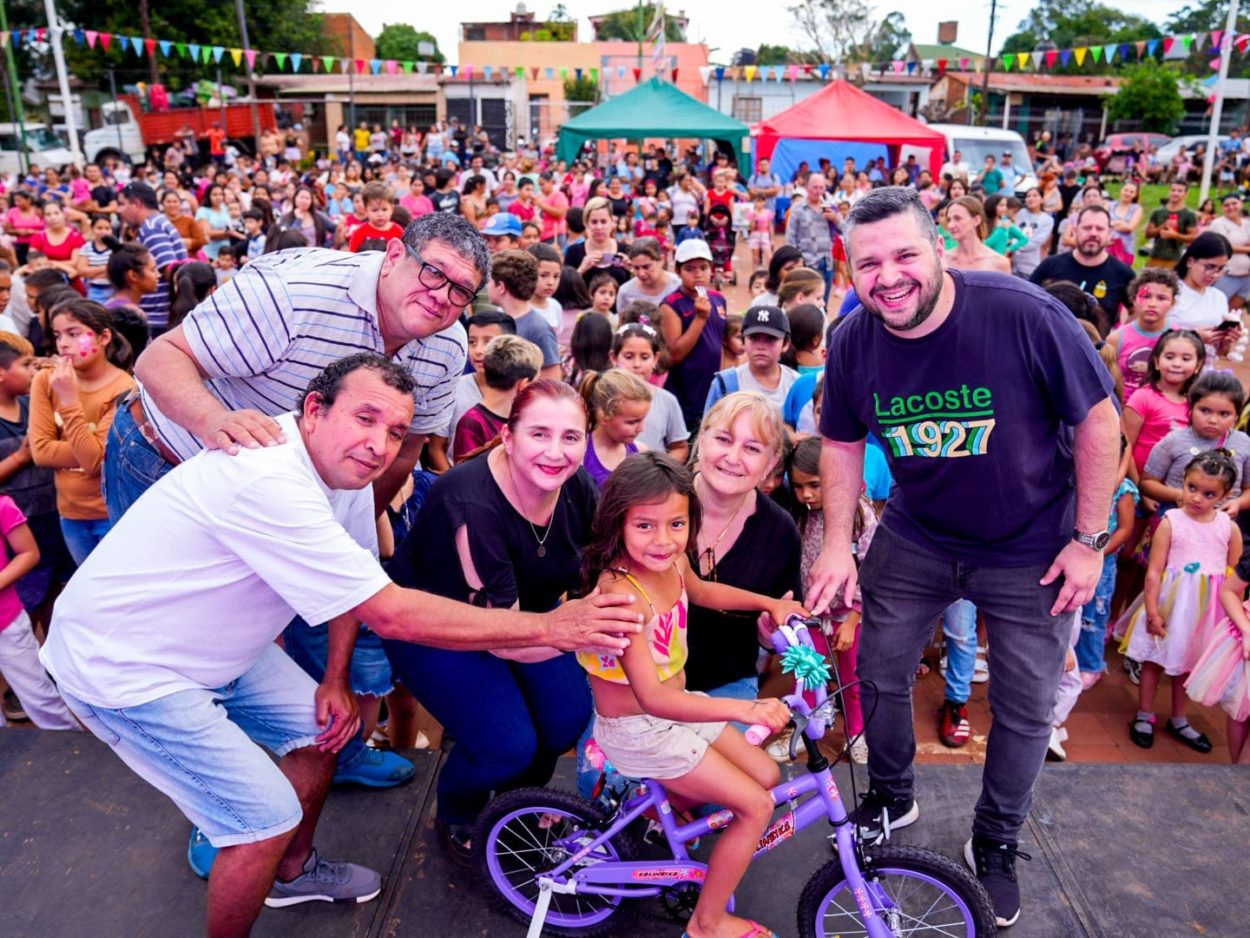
column 232, row 429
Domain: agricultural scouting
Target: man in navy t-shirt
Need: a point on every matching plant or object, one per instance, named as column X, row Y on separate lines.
column 973, row 382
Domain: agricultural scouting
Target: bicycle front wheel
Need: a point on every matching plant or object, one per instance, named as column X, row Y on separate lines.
column 524, row 833
column 917, row 892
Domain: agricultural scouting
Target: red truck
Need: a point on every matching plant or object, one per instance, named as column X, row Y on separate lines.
column 129, row 131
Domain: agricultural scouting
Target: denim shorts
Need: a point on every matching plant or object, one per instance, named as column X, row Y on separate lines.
column 196, row 747
column 310, row 648
column 645, row 746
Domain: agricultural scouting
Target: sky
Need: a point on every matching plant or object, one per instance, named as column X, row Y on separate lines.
column 719, row 23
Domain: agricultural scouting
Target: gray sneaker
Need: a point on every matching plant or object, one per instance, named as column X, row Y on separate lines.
column 326, row 881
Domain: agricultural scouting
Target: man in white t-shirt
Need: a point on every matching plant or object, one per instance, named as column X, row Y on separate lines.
column 163, row 643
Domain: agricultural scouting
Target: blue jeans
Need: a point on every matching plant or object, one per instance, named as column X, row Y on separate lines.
column 825, row 268
column 81, row 537
column 1091, row 647
column 131, row 464
column 959, row 625
column 905, row 588
column 510, row 721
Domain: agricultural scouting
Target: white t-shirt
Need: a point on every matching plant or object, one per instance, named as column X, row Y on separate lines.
column 552, row 312
column 1194, row 310
column 468, row 393
column 1239, row 236
column 664, row 425
column 205, row 570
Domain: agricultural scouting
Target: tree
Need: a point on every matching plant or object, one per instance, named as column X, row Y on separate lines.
column 581, row 89
column 1150, row 94
column 1071, row 23
column 772, row 55
column 633, row 23
column 403, row 42
column 847, row 31
column 273, row 25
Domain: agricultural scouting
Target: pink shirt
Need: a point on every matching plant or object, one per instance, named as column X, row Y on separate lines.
column 1159, row 418
column 10, row 606
column 417, row 205
column 553, row 226
column 1134, row 357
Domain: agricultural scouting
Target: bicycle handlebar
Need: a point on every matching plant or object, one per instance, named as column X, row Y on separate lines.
column 793, row 642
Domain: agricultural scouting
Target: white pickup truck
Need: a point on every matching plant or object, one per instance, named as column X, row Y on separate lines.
column 44, row 146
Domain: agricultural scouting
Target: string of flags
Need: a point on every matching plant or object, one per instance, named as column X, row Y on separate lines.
column 294, row 62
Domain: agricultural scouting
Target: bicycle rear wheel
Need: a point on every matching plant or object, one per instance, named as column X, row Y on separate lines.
column 525, row 832
column 916, row 891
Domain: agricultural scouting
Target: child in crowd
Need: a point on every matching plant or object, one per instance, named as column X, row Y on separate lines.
column 190, row 284
column 766, row 332
column 482, row 328
column 645, row 723
column 636, row 349
column 618, row 402
column 1004, row 236
column 71, row 410
column 93, row 259
column 1221, row 676
column 590, row 347
column 721, row 239
column 734, row 348
column 840, row 626
column 510, row 363
column 799, row 287
column 1162, row 404
column 690, row 230
column 19, row 650
column 692, row 319
column 254, row 228
column 603, row 287
column 227, row 263
column 806, row 354
column 757, row 283
column 378, row 228
column 513, row 280
column 1167, row 628
column 1152, row 294
column 543, row 302
column 760, row 236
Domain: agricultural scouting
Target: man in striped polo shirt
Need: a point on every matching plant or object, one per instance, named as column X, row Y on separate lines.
column 137, row 206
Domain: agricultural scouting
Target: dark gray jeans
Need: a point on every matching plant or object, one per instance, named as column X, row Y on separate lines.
column 905, row 589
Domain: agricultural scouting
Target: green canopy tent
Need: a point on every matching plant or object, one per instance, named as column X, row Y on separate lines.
column 654, row 108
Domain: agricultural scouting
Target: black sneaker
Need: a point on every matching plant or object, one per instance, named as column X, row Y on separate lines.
column 13, row 707
column 878, row 814
column 995, row 866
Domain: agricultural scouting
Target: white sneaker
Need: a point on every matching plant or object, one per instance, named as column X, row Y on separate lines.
column 779, row 749
column 859, row 751
column 1054, row 749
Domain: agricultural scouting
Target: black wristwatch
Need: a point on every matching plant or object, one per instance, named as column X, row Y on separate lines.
column 1093, row 541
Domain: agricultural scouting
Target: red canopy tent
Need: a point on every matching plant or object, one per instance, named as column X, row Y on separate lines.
column 840, row 111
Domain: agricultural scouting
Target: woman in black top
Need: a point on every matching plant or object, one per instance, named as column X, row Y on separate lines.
column 745, row 540
column 600, row 250
column 503, row 529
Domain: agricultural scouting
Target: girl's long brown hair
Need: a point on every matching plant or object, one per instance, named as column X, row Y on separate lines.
column 641, row 479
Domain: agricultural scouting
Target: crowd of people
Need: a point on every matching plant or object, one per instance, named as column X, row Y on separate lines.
column 519, row 384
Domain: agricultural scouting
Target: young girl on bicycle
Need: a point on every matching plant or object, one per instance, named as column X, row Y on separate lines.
column 1168, row 626
column 646, row 723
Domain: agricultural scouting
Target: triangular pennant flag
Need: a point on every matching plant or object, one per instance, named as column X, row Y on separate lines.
column 360, row 66
column 218, row 52
column 1080, row 52
column 166, row 46
column 194, row 50
column 551, row 73
column 467, row 71
column 328, row 62
column 297, row 59
column 963, row 63
column 317, row 64
column 80, row 37
column 564, row 74
column 1065, row 56
column 136, row 43
column 17, row 38
column 911, row 67
column 421, row 67
column 535, row 70
column 1123, row 50
column 250, row 55
column 1096, row 52
column 1108, row 52
column 594, row 75
column 453, row 69
column 150, row 45
column 941, row 67
column 824, row 71
column 793, row 72
column 1216, row 36
column 392, row 66
column 807, row 69
column 280, row 58
column 406, row 65
column 236, row 56
column 1052, row 56
column 41, row 33
column 750, row 73
column 375, row 66
column 720, row 73
column 1009, row 59
column 1152, row 46
column 1022, row 58
column 898, row 67
column 578, row 73
column 1141, row 48
column 1168, row 42
column 92, row 35
column 637, row 74
column 488, row 70
column 1187, row 41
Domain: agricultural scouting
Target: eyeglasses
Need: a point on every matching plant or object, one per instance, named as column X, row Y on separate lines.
column 1213, row 270
column 434, row 279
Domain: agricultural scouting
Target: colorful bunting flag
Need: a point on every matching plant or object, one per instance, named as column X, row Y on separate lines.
column 91, row 34
column 1168, row 42
column 1065, row 56
column 1052, row 56
column 1022, row 58
column 280, row 58
column 750, row 73
column 250, row 55
column 166, row 46
column 297, row 59
column 1080, row 52
column 824, row 71
column 236, row 56
column 1096, row 52
column 1008, row 60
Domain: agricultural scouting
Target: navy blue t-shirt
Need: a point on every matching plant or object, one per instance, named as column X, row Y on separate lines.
column 972, row 418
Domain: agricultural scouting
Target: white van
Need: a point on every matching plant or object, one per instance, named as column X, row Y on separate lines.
column 975, row 144
column 45, row 147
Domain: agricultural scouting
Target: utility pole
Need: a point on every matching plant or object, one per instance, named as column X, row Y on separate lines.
column 55, row 32
column 13, row 89
column 251, row 83
column 146, row 27
column 351, row 72
column 1217, row 109
column 985, row 78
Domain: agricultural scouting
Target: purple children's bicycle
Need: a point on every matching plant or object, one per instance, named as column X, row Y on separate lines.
column 563, row 864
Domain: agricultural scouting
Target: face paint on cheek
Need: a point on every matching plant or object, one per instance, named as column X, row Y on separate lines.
column 86, row 344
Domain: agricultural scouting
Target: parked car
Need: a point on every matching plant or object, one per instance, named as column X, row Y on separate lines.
column 1112, row 153
column 1189, row 142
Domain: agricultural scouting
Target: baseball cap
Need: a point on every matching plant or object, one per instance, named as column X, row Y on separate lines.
column 502, row 223
column 693, row 249
column 769, row 320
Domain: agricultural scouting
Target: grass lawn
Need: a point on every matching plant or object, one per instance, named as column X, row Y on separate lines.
column 1153, row 195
